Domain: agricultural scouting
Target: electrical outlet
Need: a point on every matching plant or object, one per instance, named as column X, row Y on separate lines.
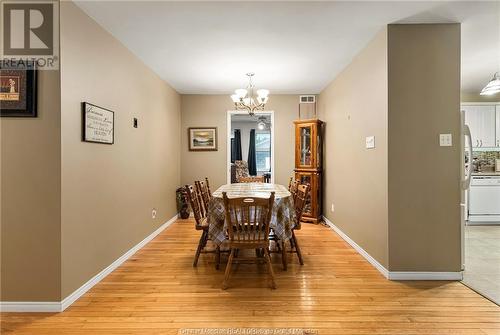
column 332, row 208
column 445, row 140
column 153, row 213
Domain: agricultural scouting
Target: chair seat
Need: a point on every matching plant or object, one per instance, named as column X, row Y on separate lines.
column 203, row 225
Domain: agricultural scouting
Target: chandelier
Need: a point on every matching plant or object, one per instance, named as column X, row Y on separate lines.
column 245, row 100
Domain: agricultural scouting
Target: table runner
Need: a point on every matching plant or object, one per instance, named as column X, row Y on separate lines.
column 282, row 216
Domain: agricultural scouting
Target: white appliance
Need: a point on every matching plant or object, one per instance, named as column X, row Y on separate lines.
column 484, row 199
column 466, row 145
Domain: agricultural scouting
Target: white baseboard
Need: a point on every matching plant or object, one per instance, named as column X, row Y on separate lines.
column 20, row 306
column 394, row 275
column 421, row 275
column 28, row 306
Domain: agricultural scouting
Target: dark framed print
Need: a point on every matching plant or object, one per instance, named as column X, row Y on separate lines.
column 202, row 138
column 98, row 124
column 18, row 89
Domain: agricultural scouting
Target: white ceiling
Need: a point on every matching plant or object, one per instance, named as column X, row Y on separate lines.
column 293, row 47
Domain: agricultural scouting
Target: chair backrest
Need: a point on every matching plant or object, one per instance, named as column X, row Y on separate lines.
column 241, row 169
column 300, row 201
column 195, row 203
column 248, row 218
column 207, row 184
column 253, row 179
column 293, row 186
column 203, row 193
column 197, row 189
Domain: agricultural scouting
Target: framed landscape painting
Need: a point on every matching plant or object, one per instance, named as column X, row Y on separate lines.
column 18, row 90
column 202, row 138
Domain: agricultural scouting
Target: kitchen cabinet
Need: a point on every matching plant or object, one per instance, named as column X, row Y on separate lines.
column 483, row 123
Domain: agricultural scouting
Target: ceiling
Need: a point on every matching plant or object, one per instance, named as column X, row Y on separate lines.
column 293, row 47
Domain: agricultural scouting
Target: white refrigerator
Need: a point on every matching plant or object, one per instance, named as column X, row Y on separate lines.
column 466, row 173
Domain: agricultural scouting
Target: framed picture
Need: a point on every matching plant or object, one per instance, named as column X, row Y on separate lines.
column 98, row 124
column 202, row 138
column 18, row 90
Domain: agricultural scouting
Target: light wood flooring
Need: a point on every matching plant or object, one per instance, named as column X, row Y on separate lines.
column 158, row 291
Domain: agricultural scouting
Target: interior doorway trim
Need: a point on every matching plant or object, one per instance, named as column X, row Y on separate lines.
column 228, row 142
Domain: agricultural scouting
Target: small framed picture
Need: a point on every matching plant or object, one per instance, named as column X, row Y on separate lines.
column 18, row 90
column 98, row 124
column 202, row 138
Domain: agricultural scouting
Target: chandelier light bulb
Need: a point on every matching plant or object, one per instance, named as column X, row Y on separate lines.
column 263, row 93
column 235, row 98
column 241, row 93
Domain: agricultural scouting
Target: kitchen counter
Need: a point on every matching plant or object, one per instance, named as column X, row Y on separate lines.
column 490, row 173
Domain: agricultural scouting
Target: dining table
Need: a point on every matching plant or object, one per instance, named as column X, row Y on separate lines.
column 282, row 216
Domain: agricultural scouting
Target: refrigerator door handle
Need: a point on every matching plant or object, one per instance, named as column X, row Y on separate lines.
column 468, row 175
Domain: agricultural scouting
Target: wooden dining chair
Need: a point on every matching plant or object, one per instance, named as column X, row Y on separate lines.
column 292, row 186
column 207, row 184
column 300, row 200
column 204, row 194
column 248, row 221
column 201, row 223
column 299, row 204
column 250, row 179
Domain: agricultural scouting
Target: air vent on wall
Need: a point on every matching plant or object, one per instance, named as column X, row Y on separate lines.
column 307, row 107
column 307, row 99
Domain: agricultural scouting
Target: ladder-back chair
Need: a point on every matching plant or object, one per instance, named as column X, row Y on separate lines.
column 248, row 221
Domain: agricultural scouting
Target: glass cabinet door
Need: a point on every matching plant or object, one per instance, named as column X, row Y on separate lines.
column 305, row 178
column 305, row 150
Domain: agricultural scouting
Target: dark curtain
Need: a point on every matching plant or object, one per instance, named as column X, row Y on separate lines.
column 252, row 159
column 236, row 146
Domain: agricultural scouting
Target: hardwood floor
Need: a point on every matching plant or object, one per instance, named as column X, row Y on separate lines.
column 336, row 292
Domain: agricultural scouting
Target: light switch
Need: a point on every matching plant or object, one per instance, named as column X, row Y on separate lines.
column 445, row 140
column 370, row 142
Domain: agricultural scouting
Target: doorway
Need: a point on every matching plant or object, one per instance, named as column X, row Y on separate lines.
column 481, row 222
column 250, row 138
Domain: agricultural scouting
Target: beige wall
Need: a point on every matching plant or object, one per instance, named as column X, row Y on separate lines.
column 211, row 110
column 108, row 191
column 31, row 198
column 354, row 106
column 424, row 178
column 400, row 201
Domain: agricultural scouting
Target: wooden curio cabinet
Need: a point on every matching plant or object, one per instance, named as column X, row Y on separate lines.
column 308, row 161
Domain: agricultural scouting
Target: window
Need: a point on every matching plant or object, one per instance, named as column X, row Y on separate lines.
column 263, row 151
